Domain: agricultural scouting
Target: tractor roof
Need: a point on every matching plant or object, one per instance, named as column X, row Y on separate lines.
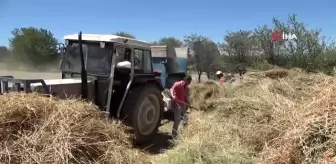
column 108, row 38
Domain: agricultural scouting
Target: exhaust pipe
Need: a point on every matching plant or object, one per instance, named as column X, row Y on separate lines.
column 83, row 70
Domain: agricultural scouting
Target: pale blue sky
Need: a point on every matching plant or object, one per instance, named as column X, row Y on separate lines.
column 149, row 20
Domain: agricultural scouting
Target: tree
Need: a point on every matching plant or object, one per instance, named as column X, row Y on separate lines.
column 169, row 41
column 34, row 46
column 4, row 52
column 171, row 44
column 304, row 51
column 125, row 34
column 309, row 51
column 238, row 43
column 210, row 55
column 205, row 52
column 263, row 37
column 155, row 43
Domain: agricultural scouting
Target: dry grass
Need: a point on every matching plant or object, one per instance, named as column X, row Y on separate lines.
column 287, row 119
column 310, row 133
column 206, row 141
column 202, row 92
column 276, row 73
column 35, row 129
column 274, row 117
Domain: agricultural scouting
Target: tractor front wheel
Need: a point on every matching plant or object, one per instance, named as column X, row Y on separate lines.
column 143, row 108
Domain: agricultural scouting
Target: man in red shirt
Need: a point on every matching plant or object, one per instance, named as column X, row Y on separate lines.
column 179, row 92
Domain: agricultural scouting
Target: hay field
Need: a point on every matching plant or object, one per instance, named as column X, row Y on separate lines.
column 273, row 117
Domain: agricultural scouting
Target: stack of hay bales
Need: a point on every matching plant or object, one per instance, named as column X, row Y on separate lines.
column 36, row 129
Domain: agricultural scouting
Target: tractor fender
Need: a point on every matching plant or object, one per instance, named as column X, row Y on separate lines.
column 148, row 81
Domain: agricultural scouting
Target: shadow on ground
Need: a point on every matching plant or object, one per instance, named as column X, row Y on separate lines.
column 163, row 141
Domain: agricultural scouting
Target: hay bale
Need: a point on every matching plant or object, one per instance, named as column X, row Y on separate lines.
column 35, row 129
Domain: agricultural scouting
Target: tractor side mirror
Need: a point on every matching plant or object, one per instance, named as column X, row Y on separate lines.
column 61, row 47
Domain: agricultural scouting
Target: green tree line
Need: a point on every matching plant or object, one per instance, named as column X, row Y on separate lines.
column 253, row 48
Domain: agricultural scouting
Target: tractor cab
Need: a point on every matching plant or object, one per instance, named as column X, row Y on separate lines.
column 110, row 59
column 115, row 73
column 124, row 84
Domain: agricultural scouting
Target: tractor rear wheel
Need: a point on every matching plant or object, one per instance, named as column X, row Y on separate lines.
column 143, row 109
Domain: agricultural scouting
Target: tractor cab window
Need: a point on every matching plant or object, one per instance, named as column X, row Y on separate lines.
column 96, row 59
column 123, row 57
column 142, row 60
column 120, row 54
column 147, row 60
column 138, row 54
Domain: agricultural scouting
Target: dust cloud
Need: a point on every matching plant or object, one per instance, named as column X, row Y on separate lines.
column 29, row 72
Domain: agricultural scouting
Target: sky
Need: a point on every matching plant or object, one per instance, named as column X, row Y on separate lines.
column 150, row 20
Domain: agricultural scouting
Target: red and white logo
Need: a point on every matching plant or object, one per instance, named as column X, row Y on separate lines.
column 278, row 35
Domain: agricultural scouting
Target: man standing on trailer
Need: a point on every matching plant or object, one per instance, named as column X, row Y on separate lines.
column 179, row 93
